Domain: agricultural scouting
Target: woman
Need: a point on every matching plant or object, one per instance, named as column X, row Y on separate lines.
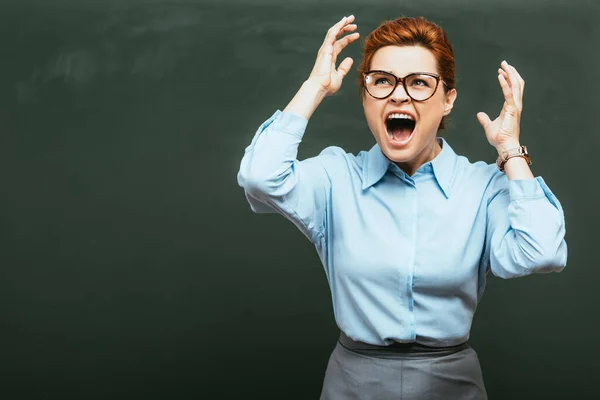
column 408, row 230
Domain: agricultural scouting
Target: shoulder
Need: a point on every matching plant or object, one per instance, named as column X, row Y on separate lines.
column 335, row 160
column 484, row 176
column 481, row 169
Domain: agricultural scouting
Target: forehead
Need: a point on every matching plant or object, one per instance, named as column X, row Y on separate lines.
column 402, row 60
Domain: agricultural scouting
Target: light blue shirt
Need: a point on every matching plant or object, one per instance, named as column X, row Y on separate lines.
column 406, row 257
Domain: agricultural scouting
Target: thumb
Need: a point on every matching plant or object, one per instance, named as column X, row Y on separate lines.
column 484, row 120
column 344, row 67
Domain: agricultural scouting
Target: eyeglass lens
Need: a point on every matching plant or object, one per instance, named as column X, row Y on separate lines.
column 419, row 87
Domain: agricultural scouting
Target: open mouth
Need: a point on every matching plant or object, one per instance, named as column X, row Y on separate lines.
column 399, row 129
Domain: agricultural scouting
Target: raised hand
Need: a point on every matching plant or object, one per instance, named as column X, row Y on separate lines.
column 324, row 72
column 503, row 133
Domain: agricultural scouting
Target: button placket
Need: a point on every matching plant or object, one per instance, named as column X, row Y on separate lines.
column 411, row 264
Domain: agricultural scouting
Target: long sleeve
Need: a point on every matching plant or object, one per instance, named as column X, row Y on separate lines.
column 525, row 228
column 275, row 181
column 406, row 257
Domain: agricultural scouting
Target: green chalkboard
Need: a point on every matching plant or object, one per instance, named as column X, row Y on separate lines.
column 131, row 265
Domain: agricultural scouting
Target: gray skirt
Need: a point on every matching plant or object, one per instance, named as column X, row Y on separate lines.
column 410, row 371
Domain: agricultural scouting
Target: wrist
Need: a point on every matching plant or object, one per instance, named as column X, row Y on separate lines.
column 314, row 89
column 505, row 155
column 306, row 100
column 508, row 145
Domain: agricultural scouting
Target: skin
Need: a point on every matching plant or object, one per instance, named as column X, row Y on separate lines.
column 422, row 148
column 325, row 80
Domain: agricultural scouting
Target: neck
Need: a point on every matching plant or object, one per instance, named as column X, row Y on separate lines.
column 427, row 154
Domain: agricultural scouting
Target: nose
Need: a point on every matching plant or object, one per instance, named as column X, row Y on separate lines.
column 399, row 95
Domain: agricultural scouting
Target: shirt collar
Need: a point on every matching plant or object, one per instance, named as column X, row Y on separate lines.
column 374, row 167
column 444, row 166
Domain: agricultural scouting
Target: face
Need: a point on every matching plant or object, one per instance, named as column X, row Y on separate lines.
column 408, row 147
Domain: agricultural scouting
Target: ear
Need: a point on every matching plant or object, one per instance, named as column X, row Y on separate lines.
column 449, row 101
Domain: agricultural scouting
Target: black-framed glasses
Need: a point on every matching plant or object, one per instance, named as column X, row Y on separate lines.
column 420, row 86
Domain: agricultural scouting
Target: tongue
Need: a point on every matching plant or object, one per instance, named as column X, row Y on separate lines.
column 401, row 134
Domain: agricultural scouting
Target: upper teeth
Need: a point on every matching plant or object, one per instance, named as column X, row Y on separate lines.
column 399, row 115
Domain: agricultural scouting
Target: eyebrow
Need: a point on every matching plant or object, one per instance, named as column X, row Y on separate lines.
column 410, row 73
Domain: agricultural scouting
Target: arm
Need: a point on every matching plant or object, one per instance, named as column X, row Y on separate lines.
column 525, row 222
column 269, row 167
column 525, row 228
column 272, row 178
column 275, row 181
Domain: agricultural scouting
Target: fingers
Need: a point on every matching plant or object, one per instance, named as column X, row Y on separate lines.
column 326, row 48
column 483, row 119
column 344, row 67
column 349, row 27
column 515, row 75
column 332, row 47
column 328, row 51
column 345, row 41
column 509, row 96
column 324, row 71
column 336, row 30
column 515, row 83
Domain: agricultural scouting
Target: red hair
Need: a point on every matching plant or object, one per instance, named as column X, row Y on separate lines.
column 409, row 31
